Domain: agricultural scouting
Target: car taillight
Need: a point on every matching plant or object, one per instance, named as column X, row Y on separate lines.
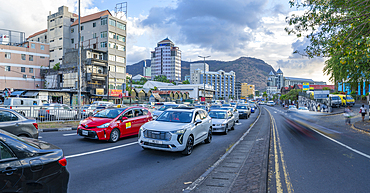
column 10, row 107
column 84, row 110
column 36, row 125
column 47, row 111
column 63, row 161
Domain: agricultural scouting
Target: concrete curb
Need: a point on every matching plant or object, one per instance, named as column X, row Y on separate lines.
column 201, row 178
column 58, row 129
column 356, row 128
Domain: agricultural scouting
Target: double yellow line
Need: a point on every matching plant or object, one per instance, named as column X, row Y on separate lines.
column 278, row 151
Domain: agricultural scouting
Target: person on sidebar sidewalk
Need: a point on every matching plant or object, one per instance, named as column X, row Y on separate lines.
column 347, row 114
column 363, row 112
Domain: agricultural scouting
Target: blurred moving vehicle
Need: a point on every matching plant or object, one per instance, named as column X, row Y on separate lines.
column 270, row 103
column 292, row 108
column 177, row 129
column 57, row 112
column 17, row 124
column 222, row 121
column 253, row 107
column 244, row 111
column 204, row 107
column 333, row 101
column 233, row 111
column 31, row 165
column 346, row 100
column 158, row 112
column 88, row 110
column 303, row 109
column 27, row 107
column 114, row 123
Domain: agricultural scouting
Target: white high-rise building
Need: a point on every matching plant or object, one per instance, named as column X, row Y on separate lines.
column 194, row 67
column 166, row 60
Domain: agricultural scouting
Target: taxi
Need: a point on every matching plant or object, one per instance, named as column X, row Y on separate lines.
column 114, row 123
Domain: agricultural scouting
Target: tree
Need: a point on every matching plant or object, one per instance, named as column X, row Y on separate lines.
column 257, row 93
column 186, row 82
column 338, row 29
column 325, row 88
column 250, row 96
column 161, row 78
column 264, row 95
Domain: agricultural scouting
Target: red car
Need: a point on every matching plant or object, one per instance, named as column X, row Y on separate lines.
column 114, row 123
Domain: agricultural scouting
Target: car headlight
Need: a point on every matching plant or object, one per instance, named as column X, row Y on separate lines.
column 141, row 130
column 103, row 126
column 223, row 125
column 179, row 132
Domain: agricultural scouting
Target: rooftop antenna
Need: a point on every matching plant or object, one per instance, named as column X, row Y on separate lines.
column 121, row 10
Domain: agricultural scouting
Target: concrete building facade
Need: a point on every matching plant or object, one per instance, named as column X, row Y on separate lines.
column 223, row 82
column 20, row 65
column 193, row 68
column 247, row 89
column 166, row 60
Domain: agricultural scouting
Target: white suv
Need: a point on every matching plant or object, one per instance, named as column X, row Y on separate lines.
column 177, row 129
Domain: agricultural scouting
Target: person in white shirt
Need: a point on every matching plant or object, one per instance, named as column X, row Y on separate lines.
column 363, row 112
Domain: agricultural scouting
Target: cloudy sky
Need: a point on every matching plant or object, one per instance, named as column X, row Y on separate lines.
column 223, row 29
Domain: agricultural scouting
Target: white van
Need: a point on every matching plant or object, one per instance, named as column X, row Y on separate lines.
column 28, row 107
column 98, row 103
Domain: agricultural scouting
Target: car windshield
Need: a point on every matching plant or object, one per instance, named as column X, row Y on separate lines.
column 228, row 109
column 292, row 107
column 165, row 107
column 175, row 116
column 233, row 103
column 215, row 107
column 303, row 108
column 241, row 107
column 109, row 113
column 335, row 98
column 349, row 97
column 7, row 102
column 202, row 107
column 218, row 115
column 226, row 105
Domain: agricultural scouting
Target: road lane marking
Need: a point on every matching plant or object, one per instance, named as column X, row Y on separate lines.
column 277, row 172
column 69, row 134
column 100, row 150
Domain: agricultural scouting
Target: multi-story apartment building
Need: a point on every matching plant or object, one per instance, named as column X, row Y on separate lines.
column 20, row 65
column 195, row 66
column 223, row 82
column 247, row 90
column 99, row 31
column 166, row 60
column 238, row 90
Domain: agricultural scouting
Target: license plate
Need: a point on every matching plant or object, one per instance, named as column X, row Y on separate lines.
column 85, row 132
column 155, row 141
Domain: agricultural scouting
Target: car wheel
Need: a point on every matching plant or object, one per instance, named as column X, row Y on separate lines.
column 209, row 137
column 233, row 127
column 114, row 136
column 189, row 146
column 226, row 130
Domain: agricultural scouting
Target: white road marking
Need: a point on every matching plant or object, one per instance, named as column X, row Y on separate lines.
column 344, row 145
column 40, row 137
column 100, row 150
column 69, row 134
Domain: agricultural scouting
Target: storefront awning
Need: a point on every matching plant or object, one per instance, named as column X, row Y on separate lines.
column 30, row 94
column 16, row 93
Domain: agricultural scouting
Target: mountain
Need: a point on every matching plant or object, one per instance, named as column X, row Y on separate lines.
column 250, row 70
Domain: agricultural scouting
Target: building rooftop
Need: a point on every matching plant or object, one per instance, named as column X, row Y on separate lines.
column 279, row 72
column 166, row 41
column 271, row 74
column 92, row 17
column 299, row 79
column 37, row 33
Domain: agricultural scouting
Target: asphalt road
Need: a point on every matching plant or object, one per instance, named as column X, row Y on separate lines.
column 337, row 159
column 100, row 166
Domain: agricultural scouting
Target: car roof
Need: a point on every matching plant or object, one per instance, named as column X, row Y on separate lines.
column 188, row 109
column 220, row 110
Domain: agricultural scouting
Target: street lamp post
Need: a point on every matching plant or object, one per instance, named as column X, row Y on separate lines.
column 204, row 74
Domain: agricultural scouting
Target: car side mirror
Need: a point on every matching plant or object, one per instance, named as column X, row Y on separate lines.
column 123, row 118
column 155, row 117
column 198, row 121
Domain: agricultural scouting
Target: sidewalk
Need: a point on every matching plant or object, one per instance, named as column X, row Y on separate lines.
column 363, row 126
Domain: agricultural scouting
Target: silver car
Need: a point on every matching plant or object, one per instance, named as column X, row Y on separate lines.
column 158, row 112
column 222, row 121
column 233, row 111
column 17, row 124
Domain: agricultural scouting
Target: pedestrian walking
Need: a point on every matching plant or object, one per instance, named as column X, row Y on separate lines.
column 347, row 114
column 318, row 108
column 363, row 112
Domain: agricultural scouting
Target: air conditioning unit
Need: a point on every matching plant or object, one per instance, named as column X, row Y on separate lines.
column 24, row 75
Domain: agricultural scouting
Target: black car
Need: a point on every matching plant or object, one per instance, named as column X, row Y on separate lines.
column 17, row 124
column 31, row 165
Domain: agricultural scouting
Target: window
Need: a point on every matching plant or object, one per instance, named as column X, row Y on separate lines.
column 7, row 68
column 72, row 30
column 112, row 57
column 51, row 60
column 30, row 58
column 51, row 40
column 112, row 45
column 4, row 150
column 51, row 50
column 23, row 56
column 42, row 57
column 103, row 44
column 120, row 47
column 42, row 47
column 60, row 26
column 82, row 28
column 120, row 59
column 61, row 17
column 121, row 38
column 52, row 29
column 51, row 20
column 23, row 69
column 72, row 20
column 94, row 24
column 112, row 22
column 30, row 70
column 120, row 69
column 24, row 76
column 60, row 38
column 60, row 48
column 121, row 26
column 33, row 77
column 60, row 58
column 38, row 39
column 112, row 35
column 103, row 21
column 7, row 55
column 103, row 34
column 94, row 35
column 72, row 41
column 33, row 46
column 82, row 38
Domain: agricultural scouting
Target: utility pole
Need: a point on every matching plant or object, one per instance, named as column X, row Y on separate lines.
column 130, row 90
column 79, row 61
column 204, row 75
